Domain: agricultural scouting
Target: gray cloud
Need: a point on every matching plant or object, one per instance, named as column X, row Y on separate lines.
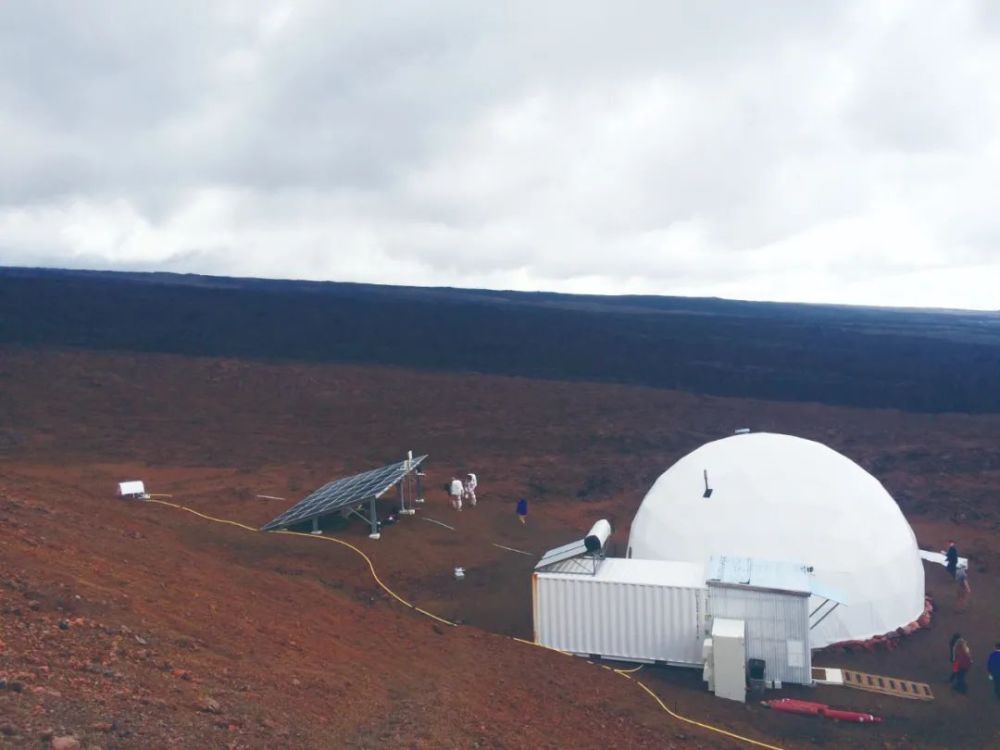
column 778, row 150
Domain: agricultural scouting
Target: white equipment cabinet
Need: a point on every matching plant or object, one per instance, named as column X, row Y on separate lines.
column 133, row 489
column 729, row 659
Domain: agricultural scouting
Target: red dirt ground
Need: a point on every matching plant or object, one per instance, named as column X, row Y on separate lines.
column 292, row 640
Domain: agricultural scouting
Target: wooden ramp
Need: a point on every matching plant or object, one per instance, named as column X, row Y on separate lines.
column 873, row 683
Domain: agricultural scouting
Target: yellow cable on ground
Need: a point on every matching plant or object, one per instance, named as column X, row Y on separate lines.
column 371, row 567
column 367, row 559
column 630, row 671
column 203, row 515
column 626, row 673
column 709, row 727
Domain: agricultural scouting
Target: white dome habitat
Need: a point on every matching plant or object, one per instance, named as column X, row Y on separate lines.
column 777, row 497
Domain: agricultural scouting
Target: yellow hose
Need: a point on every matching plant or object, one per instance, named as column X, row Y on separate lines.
column 692, row 722
column 371, row 567
column 203, row 515
column 626, row 673
column 367, row 559
column 630, row 671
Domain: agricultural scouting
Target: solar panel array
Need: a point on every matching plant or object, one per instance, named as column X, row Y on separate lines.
column 566, row 552
column 343, row 493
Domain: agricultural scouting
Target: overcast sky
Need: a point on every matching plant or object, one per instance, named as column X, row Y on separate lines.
column 810, row 151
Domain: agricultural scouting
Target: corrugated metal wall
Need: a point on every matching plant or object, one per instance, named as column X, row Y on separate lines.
column 619, row 620
column 777, row 628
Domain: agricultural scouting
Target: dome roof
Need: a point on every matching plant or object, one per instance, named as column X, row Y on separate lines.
column 777, row 497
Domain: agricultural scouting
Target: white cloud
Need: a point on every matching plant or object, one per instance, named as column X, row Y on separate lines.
column 780, row 150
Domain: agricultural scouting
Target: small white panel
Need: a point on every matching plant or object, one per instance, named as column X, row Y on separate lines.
column 796, row 654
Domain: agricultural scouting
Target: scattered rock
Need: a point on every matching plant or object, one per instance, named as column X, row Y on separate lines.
column 8, row 730
column 42, row 690
column 16, row 686
column 34, row 605
column 210, row 705
column 67, row 742
column 102, row 726
column 63, row 625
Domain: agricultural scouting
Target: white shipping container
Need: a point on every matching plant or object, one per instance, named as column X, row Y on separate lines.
column 637, row 610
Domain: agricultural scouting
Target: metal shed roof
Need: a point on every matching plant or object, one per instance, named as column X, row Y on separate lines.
column 768, row 575
column 725, row 570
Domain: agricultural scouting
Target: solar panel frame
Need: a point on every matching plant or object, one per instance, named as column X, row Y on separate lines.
column 559, row 554
column 342, row 493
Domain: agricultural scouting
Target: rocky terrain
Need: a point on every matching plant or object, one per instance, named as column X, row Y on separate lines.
column 139, row 625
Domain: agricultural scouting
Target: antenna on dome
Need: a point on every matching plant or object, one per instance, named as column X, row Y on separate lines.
column 708, row 490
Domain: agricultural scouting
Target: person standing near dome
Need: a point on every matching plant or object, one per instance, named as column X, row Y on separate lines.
column 952, row 559
column 470, row 485
column 960, row 665
column 964, row 589
column 456, row 491
column 993, row 667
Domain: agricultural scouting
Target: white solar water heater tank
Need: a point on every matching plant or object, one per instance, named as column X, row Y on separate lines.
column 598, row 535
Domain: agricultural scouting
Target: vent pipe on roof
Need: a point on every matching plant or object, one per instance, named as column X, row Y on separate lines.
column 742, row 431
column 708, row 490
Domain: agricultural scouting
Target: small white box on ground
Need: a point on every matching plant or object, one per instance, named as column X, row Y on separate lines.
column 131, row 489
column 729, row 658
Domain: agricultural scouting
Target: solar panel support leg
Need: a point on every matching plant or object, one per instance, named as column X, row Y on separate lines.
column 373, row 520
column 403, row 510
column 316, row 529
column 418, row 474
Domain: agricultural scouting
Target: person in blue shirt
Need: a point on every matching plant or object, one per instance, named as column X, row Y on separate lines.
column 522, row 511
column 993, row 667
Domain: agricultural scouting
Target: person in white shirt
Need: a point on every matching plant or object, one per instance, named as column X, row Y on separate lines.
column 470, row 489
column 456, row 492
